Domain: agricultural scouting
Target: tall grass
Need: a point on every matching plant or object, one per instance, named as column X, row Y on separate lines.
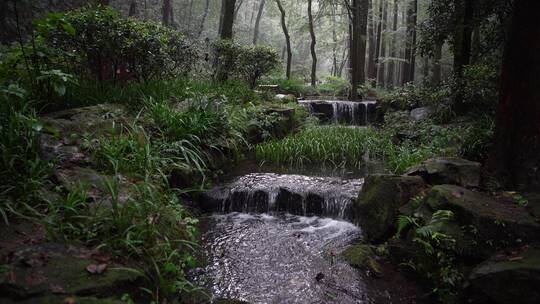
column 337, row 146
column 340, row 146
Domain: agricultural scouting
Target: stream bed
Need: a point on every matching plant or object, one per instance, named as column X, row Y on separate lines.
column 280, row 259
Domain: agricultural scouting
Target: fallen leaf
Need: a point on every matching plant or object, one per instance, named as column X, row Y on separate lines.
column 96, row 268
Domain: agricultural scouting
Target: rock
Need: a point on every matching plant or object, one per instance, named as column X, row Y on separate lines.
column 55, row 299
column 448, row 170
column 510, row 279
column 378, row 204
column 361, row 256
column 285, row 98
column 94, row 183
column 55, row 269
column 486, row 223
column 420, row 113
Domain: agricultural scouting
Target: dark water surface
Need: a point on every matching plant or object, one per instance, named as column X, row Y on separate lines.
column 280, row 259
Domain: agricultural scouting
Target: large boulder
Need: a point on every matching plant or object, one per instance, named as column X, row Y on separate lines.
column 420, row 113
column 38, row 272
column 510, row 279
column 377, row 206
column 482, row 223
column 448, row 170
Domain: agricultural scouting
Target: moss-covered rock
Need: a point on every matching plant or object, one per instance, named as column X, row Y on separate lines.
column 482, row 223
column 55, row 269
column 362, row 256
column 377, row 206
column 510, row 279
column 448, row 170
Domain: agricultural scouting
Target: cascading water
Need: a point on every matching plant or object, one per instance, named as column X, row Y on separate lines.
column 358, row 113
column 294, row 194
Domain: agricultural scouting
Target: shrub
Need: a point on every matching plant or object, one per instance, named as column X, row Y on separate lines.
column 334, row 86
column 99, row 41
column 245, row 62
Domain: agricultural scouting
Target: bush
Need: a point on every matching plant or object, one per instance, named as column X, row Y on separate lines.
column 334, row 86
column 244, row 62
column 99, row 41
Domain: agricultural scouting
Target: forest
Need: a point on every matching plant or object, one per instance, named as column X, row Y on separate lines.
column 269, row 151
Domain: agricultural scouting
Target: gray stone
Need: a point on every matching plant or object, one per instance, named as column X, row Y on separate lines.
column 420, row 113
column 448, row 170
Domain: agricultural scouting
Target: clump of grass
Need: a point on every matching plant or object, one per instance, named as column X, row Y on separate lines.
column 340, row 146
column 337, row 146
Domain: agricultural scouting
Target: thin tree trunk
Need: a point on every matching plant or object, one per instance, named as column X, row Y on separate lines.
column 462, row 47
column 408, row 68
column 413, row 49
column 167, row 13
column 312, row 46
column 425, row 70
column 227, row 21
column 237, row 8
column 287, row 39
column 190, row 15
column 436, row 78
column 514, row 155
column 334, row 43
column 258, row 21
column 133, row 8
column 371, row 66
column 381, row 71
column 203, row 19
column 379, row 39
column 393, row 47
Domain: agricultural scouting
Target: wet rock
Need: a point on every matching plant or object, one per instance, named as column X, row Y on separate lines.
column 285, row 97
column 362, row 256
column 420, row 113
column 378, row 204
column 448, row 170
column 482, row 223
column 510, row 279
column 54, row 269
column 296, row 194
column 94, row 183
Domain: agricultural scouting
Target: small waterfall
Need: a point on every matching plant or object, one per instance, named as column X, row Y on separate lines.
column 294, row 194
column 342, row 112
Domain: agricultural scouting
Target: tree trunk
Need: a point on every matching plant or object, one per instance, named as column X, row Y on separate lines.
column 167, row 10
column 334, row 43
column 237, row 8
column 227, row 20
column 371, row 69
column 357, row 44
column 133, row 8
column 437, row 72
column 203, row 19
column 393, row 47
column 410, row 43
column 312, row 46
column 515, row 153
column 287, row 39
column 462, row 47
column 381, row 71
column 378, row 42
column 258, row 21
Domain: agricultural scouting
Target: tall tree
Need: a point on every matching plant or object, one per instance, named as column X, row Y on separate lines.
column 410, row 44
column 393, row 46
column 516, row 148
column 258, row 21
column 167, row 13
column 378, row 41
column 287, row 38
column 133, row 8
column 358, row 12
column 227, row 19
column 312, row 46
column 381, row 71
column 372, row 38
column 437, row 70
column 203, row 19
column 462, row 46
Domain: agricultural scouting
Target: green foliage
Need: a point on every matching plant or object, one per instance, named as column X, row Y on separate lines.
column 479, row 87
column 99, row 41
column 150, row 226
column 437, row 262
column 325, row 145
column 21, row 170
column 293, row 86
column 478, row 138
column 245, row 62
column 334, row 86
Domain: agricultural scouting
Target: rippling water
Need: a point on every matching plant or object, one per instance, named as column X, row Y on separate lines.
column 280, row 259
